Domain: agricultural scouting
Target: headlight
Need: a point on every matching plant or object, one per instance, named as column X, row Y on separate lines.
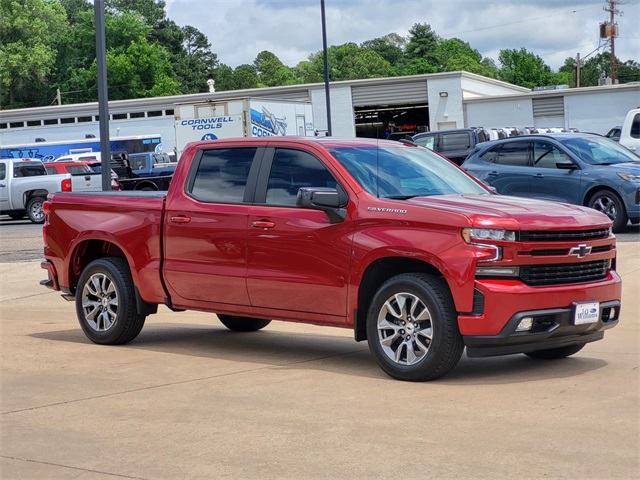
column 472, row 235
column 629, row 177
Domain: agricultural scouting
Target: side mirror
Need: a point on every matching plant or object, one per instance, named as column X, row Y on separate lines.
column 566, row 165
column 325, row 199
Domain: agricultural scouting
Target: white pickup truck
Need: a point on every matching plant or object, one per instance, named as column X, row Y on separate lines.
column 24, row 186
column 630, row 132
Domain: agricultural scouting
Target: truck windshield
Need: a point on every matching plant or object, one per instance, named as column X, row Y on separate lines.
column 404, row 172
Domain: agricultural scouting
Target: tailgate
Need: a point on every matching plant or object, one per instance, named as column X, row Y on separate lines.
column 86, row 182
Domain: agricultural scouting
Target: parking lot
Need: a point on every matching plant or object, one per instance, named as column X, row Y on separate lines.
column 190, row 399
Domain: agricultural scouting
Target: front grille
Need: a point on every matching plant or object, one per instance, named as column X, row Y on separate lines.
column 545, row 275
column 564, row 235
column 563, row 251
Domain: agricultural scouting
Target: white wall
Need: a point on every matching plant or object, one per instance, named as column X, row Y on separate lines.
column 342, row 118
column 599, row 112
column 497, row 114
column 445, row 112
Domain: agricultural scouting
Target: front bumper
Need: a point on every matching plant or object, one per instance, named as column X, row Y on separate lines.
column 552, row 328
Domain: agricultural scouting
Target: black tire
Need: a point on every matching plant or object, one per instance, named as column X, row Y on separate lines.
column 106, row 302
column 35, row 211
column 555, row 353
column 419, row 339
column 609, row 203
column 243, row 324
column 17, row 216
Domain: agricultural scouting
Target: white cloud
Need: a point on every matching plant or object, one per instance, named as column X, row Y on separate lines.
column 240, row 29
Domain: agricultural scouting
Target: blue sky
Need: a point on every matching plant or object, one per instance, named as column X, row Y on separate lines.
column 240, row 29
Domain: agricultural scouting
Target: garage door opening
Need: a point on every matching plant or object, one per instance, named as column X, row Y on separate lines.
column 391, row 121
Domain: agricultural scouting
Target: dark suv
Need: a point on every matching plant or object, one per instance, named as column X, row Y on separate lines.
column 456, row 145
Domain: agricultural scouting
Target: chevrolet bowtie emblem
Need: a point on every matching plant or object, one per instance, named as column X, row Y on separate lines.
column 580, row 251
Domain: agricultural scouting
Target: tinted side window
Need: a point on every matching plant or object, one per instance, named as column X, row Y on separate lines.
column 546, row 155
column 28, row 169
column 50, row 170
column 514, row 153
column 78, row 169
column 292, row 170
column 455, row 141
column 3, row 171
column 635, row 126
column 490, row 156
column 222, row 175
column 428, row 141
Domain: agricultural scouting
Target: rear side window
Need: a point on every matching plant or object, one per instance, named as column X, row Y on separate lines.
column 222, row 175
column 51, row 170
column 28, row 169
column 490, row 155
column 78, row 169
column 3, row 171
column 514, row 153
column 455, row 141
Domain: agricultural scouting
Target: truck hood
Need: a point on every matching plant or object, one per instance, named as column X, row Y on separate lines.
column 515, row 213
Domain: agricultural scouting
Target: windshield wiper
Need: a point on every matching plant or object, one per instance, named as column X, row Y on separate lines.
column 401, row 197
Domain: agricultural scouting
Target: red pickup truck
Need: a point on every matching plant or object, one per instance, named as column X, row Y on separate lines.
column 386, row 238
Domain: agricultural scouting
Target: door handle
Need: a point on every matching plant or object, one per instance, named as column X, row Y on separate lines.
column 180, row 220
column 631, row 147
column 492, row 174
column 538, row 175
column 265, row 224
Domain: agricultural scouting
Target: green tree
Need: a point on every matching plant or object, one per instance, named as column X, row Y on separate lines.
column 454, row 55
column 196, row 63
column 271, row 71
column 245, row 76
column 422, row 44
column 27, row 30
column 390, row 47
column 152, row 11
column 524, row 68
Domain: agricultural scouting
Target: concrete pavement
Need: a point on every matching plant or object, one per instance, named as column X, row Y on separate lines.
column 189, row 399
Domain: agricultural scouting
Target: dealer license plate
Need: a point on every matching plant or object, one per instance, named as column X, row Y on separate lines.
column 586, row 312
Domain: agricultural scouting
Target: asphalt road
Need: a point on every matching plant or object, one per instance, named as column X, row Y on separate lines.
column 21, row 240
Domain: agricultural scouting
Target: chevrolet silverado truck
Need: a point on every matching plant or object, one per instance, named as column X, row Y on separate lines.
column 24, row 186
column 385, row 238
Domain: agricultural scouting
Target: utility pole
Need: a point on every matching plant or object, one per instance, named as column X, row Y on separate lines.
column 578, row 70
column 58, row 96
column 613, row 33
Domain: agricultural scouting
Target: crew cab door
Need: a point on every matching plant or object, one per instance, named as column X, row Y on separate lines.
column 205, row 228
column 298, row 260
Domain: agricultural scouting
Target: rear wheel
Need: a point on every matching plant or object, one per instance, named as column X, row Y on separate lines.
column 609, row 203
column 555, row 353
column 106, row 302
column 243, row 324
column 412, row 328
column 35, row 211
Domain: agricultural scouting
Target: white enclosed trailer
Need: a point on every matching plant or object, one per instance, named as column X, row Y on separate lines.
column 243, row 117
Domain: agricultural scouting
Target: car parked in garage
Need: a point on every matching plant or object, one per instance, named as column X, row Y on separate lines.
column 577, row 168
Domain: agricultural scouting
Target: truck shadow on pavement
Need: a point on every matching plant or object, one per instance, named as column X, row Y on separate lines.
column 332, row 354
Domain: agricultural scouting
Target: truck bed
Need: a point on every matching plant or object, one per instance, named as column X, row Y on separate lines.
column 131, row 221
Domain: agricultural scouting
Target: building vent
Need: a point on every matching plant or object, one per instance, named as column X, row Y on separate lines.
column 548, row 107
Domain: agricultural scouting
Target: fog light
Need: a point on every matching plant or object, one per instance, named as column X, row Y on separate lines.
column 525, row 324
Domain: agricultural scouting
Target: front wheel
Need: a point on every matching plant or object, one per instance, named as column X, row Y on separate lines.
column 35, row 211
column 412, row 328
column 106, row 302
column 555, row 353
column 610, row 204
column 243, row 324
